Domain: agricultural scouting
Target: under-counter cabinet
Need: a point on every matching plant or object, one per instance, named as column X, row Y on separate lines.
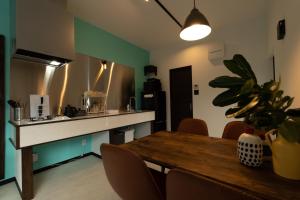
column 26, row 134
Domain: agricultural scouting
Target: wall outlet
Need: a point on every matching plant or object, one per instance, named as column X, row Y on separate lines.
column 83, row 142
column 35, row 157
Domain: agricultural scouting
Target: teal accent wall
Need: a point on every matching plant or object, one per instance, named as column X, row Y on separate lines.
column 55, row 152
column 6, row 29
column 89, row 40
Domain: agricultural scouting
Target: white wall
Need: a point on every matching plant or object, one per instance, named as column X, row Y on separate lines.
column 248, row 39
column 287, row 51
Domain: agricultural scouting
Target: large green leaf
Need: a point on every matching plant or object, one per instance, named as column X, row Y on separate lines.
column 235, row 68
column 243, row 63
column 283, row 103
column 266, row 94
column 277, row 95
column 271, row 86
column 244, row 109
column 248, row 87
column 226, row 98
column 231, row 111
column 226, row 82
column 246, row 99
column 288, row 103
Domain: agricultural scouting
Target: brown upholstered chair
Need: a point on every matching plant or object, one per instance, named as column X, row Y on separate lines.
column 184, row 185
column 129, row 175
column 234, row 129
column 196, row 126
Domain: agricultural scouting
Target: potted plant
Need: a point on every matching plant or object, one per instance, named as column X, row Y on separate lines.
column 286, row 148
column 265, row 108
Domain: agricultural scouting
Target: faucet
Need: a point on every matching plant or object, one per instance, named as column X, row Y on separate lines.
column 130, row 103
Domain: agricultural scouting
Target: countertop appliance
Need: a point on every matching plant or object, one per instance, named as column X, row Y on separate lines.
column 94, row 102
column 71, row 111
column 39, row 107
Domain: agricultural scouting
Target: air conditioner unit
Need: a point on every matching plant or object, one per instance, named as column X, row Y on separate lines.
column 216, row 52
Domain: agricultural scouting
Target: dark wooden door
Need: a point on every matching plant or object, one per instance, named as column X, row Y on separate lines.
column 2, row 108
column 181, row 95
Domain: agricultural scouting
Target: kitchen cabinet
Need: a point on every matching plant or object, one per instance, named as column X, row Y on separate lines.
column 27, row 134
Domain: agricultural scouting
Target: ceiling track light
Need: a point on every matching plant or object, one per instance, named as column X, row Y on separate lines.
column 168, row 13
column 196, row 25
column 104, row 64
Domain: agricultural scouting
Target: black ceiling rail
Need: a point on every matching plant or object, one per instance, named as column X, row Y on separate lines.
column 169, row 13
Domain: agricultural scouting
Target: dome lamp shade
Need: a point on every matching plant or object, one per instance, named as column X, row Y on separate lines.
column 196, row 26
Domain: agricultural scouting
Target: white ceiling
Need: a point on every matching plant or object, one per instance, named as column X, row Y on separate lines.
column 147, row 26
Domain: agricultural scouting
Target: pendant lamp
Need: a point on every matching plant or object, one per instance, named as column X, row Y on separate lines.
column 196, row 26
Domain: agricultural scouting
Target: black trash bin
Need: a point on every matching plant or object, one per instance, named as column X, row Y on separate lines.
column 116, row 137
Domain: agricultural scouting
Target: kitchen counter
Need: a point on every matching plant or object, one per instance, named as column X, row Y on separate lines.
column 26, row 134
column 28, row 122
column 30, row 133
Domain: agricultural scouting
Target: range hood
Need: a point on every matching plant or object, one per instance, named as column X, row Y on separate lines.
column 44, row 32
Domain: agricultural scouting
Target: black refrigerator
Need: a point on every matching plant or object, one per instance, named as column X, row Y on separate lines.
column 155, row 99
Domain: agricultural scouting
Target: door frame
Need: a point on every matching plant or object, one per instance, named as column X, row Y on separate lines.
column 2, row 107
column 170, row 81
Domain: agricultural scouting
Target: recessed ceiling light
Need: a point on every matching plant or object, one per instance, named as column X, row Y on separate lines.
column 50, row 66
column 55, row 63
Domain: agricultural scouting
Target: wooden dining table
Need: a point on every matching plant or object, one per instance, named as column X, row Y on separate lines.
column 216, row 159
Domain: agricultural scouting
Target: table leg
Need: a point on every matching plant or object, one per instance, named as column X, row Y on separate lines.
column 24, row 173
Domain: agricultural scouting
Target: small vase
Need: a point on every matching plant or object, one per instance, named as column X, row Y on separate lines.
column 250, row 150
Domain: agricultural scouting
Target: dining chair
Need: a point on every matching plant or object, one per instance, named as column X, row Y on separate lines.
column 196, row 126
column 129, row 175
column 186, row 185
column 234, row 129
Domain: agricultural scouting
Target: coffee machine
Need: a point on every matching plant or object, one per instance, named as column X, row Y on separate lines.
column 39, row 107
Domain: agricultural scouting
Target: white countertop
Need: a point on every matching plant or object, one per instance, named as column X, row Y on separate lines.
column 29, row 133
column 28, row 122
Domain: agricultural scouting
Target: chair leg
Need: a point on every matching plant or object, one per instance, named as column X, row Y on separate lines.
column 160, row 179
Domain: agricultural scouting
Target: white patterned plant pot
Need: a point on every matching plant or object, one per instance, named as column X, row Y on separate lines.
column 250, row 150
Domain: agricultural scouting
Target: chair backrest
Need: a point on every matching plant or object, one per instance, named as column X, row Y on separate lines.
column 185, row 185
column 196, row 126
column 234, row 129
column 128, row 174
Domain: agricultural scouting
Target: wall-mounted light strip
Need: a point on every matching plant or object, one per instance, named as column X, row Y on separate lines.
column 63, row 90
column 109, row 82
column 98, row 76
